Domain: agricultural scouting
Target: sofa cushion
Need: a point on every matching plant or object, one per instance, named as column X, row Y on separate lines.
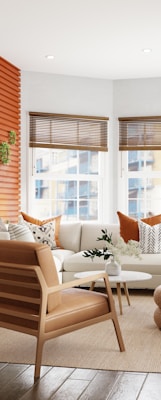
column 59, row 256
column 91, row 231
column 150, row 263
column 2, row 226
column 4, row 235
column 150, row 238
column 70, row 235
column 20, row 232
column 129, row 228
column 78, row 263
column 39, row 222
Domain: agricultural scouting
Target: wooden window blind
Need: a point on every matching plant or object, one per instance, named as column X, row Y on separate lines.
column 68, row 131
column 140, row 133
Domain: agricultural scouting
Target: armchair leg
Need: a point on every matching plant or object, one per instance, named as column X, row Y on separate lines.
column 38, row 360
column 118, row 334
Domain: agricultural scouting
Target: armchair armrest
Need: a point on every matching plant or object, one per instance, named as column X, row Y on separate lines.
column 78, row 282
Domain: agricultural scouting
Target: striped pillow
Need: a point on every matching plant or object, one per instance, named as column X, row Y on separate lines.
column 150, row 238
column 20, row 232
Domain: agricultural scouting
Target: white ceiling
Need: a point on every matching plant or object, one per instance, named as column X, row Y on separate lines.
column 88, row 38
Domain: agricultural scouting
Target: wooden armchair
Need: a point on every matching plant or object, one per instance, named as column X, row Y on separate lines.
column 33, row 302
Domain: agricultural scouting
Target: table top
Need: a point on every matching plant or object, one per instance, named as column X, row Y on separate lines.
column 125, row 276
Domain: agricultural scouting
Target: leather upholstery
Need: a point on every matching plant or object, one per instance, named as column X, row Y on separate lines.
column 32, row 301
column 13, row 251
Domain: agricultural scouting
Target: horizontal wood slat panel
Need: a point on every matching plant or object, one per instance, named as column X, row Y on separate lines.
column 11, row 77
column 8, row 110
column 10, row 88
column 9, row 66
column 9, row 98
column 10, row 173
column 8, row 120
column 5, row 107
column 10, row 84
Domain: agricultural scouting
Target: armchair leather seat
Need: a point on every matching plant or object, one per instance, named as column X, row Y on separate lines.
column 78, row 305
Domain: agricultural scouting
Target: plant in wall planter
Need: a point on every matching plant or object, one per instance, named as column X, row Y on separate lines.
column 4, row 152
column 12, row 137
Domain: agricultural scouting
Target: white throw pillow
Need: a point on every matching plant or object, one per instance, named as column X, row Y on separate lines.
column 20, row 232
column 43, row 233
column 150, row 238
column 2, row 226
column 4, row 236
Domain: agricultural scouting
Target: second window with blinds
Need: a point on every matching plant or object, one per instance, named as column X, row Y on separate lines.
column 140, row 166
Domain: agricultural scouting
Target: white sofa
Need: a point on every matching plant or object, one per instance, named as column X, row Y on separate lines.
column 75, row 237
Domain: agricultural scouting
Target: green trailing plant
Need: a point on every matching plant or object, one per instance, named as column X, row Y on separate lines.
column 12, row 137
column 4, row 152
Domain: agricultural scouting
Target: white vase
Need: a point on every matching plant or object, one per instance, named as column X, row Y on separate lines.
column 112, row 267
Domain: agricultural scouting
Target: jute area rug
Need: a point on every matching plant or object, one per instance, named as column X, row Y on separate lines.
column 96, row 347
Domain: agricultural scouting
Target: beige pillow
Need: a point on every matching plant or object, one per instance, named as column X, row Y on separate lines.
column 4, row 236
column 20, row 232
column 2, row 226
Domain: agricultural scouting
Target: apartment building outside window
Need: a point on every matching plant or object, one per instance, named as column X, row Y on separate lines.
column 141, row 171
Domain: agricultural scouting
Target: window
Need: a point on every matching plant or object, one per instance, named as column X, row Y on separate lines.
column 140, row 140
column 67, row 181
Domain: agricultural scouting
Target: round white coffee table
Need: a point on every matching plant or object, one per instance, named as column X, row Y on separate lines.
column 123, row 278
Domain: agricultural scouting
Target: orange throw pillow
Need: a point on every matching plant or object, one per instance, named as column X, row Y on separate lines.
column 35, row 221
column 129, row 226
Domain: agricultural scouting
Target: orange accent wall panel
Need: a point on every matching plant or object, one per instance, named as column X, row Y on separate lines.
column 10, row 184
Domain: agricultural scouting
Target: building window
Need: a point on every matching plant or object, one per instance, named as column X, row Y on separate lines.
column 66, row 182
column 141, row 171
column 140, row 146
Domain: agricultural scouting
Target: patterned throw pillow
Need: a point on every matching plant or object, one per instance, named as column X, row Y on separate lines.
column 44, row 233
column 150, row 238
column 40, row 222
column 20, row 232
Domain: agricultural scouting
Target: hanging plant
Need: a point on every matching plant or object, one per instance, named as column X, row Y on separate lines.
column 12, row 137
column 4, row 152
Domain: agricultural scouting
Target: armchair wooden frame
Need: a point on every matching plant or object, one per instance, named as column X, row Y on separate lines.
column 24, row 305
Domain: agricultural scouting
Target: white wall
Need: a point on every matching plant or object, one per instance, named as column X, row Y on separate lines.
column 72, row 95
column 63, row 94
column 135, row 97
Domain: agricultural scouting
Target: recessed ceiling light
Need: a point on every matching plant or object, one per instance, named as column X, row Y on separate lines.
column 147, row 50
column 49, row 57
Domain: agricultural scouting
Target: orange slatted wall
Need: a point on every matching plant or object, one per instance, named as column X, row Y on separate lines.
column 10, row 92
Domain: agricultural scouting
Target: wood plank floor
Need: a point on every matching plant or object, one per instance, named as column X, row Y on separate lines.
column 16, row 383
